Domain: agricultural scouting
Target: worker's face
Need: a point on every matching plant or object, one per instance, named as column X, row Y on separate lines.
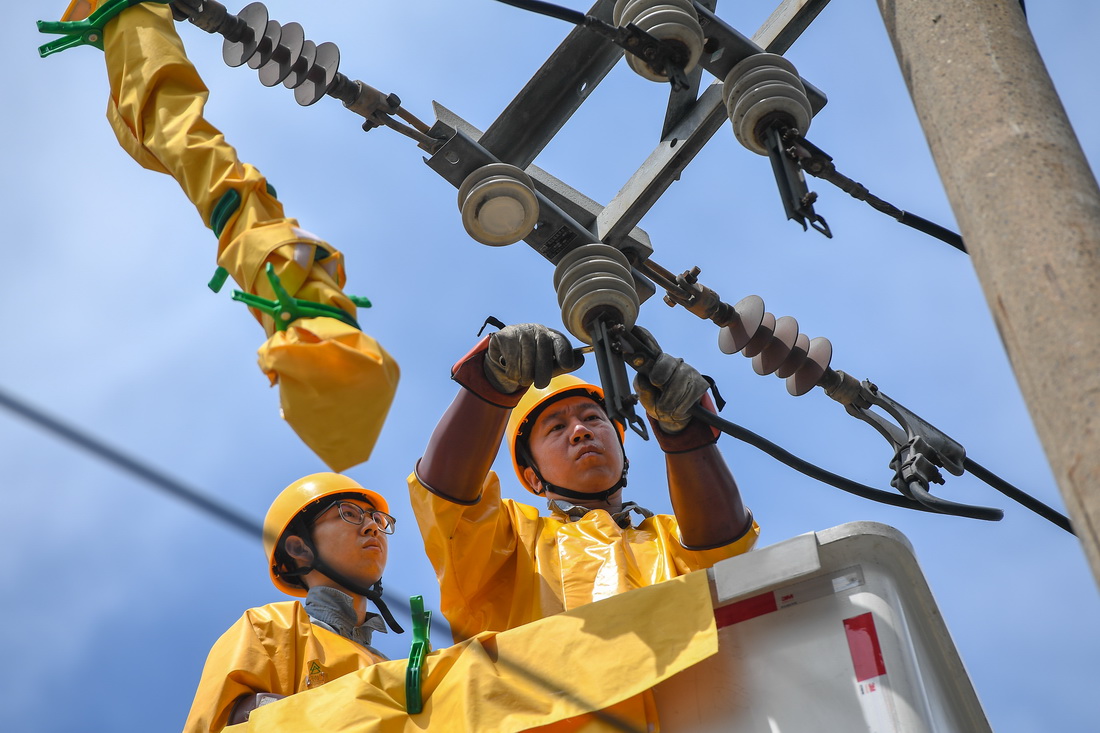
column 356, row 551
column 575, row 446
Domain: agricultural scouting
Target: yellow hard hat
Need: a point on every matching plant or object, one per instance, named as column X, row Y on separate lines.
column 297, row 497
column 560, row 387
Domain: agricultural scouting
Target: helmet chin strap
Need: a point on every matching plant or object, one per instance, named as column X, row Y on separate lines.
column 582, row 495
column 372, row 593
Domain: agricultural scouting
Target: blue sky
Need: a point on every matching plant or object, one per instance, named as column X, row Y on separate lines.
column 115, row 592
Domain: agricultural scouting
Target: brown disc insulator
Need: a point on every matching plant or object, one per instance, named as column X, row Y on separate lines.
column 796, row 358
column 761, row 338
column 748, row 315
column 778, row 348
column 813, row 368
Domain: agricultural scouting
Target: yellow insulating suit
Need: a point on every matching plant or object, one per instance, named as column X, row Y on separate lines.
column 550, row 675
column 273, row 648
column 501, row 565
column 336, row 383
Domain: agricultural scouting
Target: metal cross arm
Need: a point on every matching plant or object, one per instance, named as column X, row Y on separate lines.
column 663, row 58
column 554, row 234
column 87, row 32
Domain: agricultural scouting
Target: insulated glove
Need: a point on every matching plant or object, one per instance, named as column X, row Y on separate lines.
column 670, row 389
column 526, row 354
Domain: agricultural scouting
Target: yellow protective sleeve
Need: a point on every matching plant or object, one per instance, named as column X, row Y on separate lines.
column 500, row 564
column 550, row 675
column 272, row 648
column 156, row 110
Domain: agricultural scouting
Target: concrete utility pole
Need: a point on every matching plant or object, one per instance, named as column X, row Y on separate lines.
column 1029, row 210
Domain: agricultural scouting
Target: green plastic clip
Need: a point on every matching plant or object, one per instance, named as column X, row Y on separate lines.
column 87, row 32
column 414, row 700
column 218, row 281
column 286, row 309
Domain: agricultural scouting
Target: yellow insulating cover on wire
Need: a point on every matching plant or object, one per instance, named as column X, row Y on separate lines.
column 335, row 395
column 336, row 385
column 540, row 676
column 307, row 267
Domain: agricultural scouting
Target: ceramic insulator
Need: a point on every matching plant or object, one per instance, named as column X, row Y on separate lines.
column 762, row 90
column 594, row 279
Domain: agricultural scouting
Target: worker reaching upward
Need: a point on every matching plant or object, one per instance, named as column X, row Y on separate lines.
column 336, row 383
column 499, row 563
column 325, row 537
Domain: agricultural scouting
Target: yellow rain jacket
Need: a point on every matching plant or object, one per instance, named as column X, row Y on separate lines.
column 336, row 383
column 500, row 564
column 273, row 648
column 550, row 675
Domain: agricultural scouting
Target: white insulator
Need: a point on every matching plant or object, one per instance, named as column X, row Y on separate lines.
column 761, row 90
column 591, row 279
column 666, row 20
column 498, row 204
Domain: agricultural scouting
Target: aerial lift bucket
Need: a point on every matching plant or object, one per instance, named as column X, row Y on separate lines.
column 829, row 631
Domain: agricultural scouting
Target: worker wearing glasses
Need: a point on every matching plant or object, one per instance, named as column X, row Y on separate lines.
column 325, row 538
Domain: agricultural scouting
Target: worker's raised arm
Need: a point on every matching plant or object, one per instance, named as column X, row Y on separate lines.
column 704, row 494
column 494, row 376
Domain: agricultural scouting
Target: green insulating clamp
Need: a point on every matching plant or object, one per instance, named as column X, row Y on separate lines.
column 225, row 208
column 360, row 300
column 87, row 32
column 271, row 191
column 286, row 309
column 220, row 276
column 414, row 700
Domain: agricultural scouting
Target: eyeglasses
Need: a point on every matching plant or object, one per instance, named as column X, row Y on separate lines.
column 355, row 514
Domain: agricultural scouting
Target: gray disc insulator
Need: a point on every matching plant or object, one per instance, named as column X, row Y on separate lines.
column 291, row 41
column 667, row 20
column 498, row 204
column 593, row 279
column 254, row 17
column 762, row 90
column 302, row 64
column 267, row 45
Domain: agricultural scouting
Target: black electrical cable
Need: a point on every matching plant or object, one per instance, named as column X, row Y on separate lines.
column 1018, row 496
column 548, row 9
column 885, row 497
column 852, row 487
column 255, row 530
column 197, row 499
column 988, row 514
column 916, row 490
column 156, row 478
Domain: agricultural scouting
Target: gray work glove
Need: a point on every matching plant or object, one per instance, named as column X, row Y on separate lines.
column 671, row 388
column 526, row 354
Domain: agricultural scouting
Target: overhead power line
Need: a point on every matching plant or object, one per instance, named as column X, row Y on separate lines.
column 243, row 523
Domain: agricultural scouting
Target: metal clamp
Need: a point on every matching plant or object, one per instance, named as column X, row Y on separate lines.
column 920, row 449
